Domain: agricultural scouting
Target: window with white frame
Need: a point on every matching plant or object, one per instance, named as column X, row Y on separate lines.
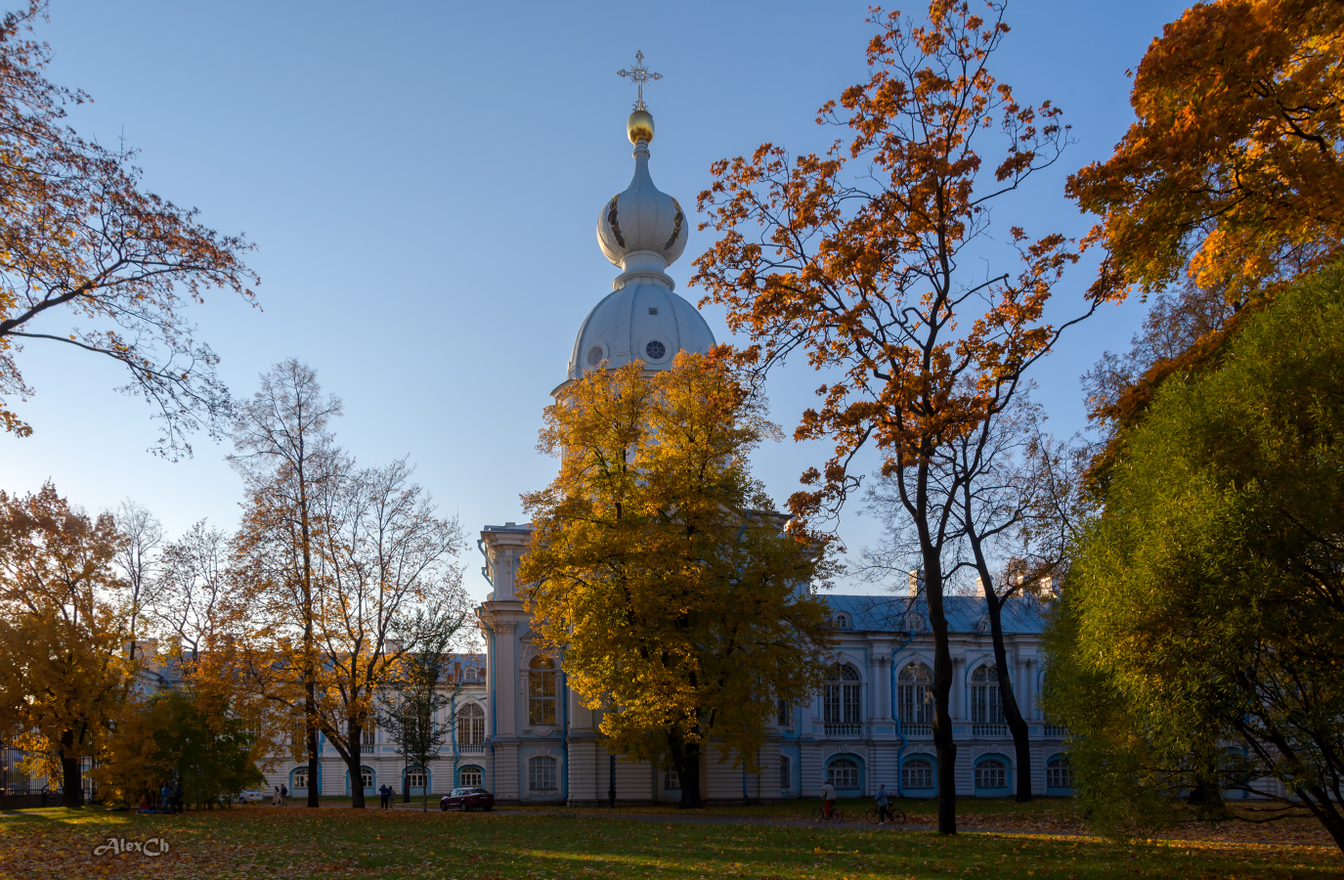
column 471, row 673
column 471, row 776
column 783, row 717
column 785, row 773
column 415, row 778
column 541, row 773
column 986, row 698
column 840, row 699
column 1058, row 774
column 541, row 691
column 368, row 736
column 991, row 773
column 366, row 777
column 299, row 777
column 842, row 621
column 843, row 773
column 914, row 694
column 917, row 774
column 470, row 725
column 671, row 780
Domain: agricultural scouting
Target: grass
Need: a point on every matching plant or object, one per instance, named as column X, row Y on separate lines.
column 337, row 843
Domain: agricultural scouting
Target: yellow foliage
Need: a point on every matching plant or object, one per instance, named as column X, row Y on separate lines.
column 680, row 602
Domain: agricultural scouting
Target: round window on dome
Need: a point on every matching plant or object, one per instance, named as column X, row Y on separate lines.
column 655, row 350
column 594, row 355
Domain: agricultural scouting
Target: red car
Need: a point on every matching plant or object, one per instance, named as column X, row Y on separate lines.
column 465, row 799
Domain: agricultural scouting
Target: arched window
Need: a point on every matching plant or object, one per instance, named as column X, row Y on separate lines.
column 415, row 778
column 541, row 773
column 843, row 773
column 368, row 736
column 991, row 773
column 840, row 703
column 1058, row 774
column 986, row 699
column 471, row 776
column 471, row 673
column 842, row 621
column 299, row 778
column 914, row 694
column 671, row 780
column 785, row 773
column 541, row 691
column 917, row 774
column 470, row 725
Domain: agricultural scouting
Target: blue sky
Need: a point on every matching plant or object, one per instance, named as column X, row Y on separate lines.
column 421, row 181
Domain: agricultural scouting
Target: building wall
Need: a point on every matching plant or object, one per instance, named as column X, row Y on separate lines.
column 875, row 743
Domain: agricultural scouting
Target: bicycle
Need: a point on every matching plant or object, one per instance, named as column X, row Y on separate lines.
column 895, row 816
column 837, row 814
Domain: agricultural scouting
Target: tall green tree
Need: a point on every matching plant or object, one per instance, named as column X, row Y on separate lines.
column 683, row 606
column 410, row 707
column 1205, row 608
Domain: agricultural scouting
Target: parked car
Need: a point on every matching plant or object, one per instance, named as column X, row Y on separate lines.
column 250, row 796
column 465, row 799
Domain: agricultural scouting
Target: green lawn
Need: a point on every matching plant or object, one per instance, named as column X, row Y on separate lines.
column 333, row 843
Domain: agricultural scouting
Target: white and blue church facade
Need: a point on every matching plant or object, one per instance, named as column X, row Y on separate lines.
column 872, row 722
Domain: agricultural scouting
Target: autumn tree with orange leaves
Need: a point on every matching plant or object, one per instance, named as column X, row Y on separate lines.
column 855, row 258
column 1228, row 183
column 90, row 261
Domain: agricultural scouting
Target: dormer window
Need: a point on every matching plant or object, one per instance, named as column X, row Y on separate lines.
column 655, row 350
column 842, row 621
column 653, row 310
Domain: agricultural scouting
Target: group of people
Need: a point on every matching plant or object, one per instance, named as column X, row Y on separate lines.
column 280, row 795
column 170, row 799
column 883, row 803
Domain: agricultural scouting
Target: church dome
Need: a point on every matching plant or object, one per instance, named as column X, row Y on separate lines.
column 641, row 320
column 642, row 227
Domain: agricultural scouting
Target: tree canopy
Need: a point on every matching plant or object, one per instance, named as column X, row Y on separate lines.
column 683, row 606
column 1206, row 603
column 1230, row 177
column 81, row 242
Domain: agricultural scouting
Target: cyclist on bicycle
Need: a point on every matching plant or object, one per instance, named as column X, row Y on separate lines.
column 828, row 799
column 882, row 812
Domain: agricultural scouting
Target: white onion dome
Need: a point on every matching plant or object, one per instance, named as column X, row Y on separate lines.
column 642, row 230
column 642, row 227
column 639, row 321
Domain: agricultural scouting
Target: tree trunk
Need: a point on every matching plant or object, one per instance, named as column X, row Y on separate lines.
column 73, row 785
column 314, row 780
column 942, row 691
column 1012, row 713
column 686, row 761
column 352, row 763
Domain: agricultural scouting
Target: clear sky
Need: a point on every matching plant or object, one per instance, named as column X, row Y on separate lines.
column 422, row 180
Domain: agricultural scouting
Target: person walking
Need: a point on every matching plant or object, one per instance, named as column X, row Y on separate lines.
column 275, row 798
column 828, row 798
column 284, row 795
column 165, row 799
column 883, row 814
column 177, row 796
column 384, row 796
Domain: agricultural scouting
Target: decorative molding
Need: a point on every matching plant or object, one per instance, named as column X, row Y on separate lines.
column 504, row 627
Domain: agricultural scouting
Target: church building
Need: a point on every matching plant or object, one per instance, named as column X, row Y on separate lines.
column 871, row 724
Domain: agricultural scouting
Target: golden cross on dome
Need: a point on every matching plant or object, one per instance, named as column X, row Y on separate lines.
column 640, row 74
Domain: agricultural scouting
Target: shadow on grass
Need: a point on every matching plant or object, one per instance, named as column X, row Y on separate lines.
column 327, row 843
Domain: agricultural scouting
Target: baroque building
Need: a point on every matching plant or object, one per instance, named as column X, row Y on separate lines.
column 871, row 724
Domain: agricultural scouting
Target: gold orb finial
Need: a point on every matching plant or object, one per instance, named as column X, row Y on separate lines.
column 639, row 127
